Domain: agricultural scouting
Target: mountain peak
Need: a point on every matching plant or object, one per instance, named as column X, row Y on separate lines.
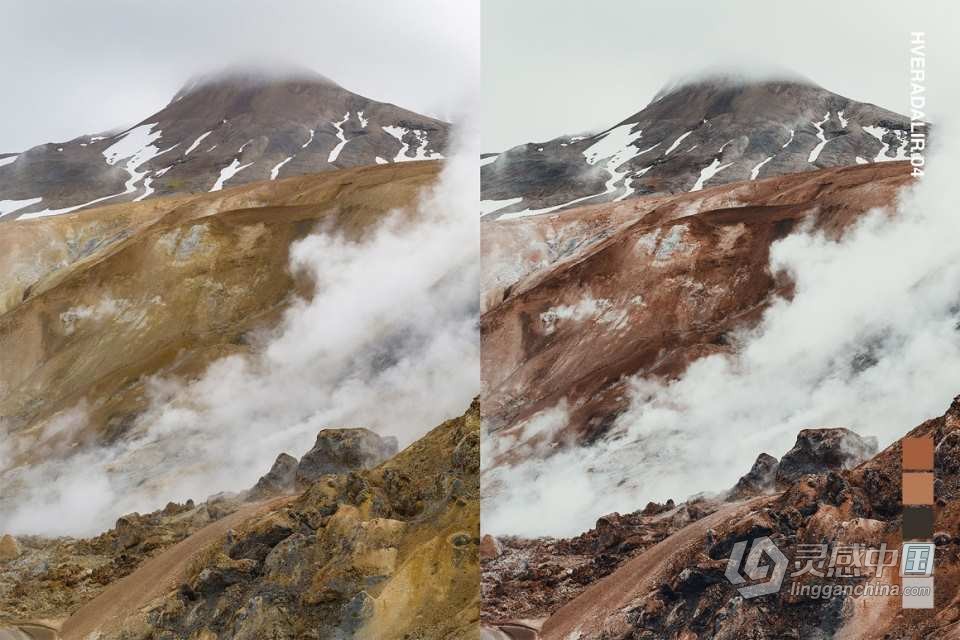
column 724, row 79
column 251, row 76
column 700, row 131
column 234, row 125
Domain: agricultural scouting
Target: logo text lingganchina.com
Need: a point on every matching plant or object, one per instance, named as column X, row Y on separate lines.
column 758, row 567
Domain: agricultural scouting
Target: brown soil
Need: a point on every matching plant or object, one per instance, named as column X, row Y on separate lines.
column 638, row 576
column 156, row 577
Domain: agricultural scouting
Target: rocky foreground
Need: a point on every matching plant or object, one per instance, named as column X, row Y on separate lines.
column 338, row 544
column 658, row 573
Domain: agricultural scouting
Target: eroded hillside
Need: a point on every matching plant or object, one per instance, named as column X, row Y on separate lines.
column 94, row 302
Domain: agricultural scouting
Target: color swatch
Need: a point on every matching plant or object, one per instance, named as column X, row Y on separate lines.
column 917, row 552
column 917, row 522
column 918, row 454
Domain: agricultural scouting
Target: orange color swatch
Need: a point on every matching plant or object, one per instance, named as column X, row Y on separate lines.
column 917, row 488
column 918, row 454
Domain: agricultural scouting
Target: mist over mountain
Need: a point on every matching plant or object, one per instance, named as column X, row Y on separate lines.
column 697, row 132
column 240, row 125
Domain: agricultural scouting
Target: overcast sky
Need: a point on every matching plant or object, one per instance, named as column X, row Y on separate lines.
column 552, row 67
column 81, row 67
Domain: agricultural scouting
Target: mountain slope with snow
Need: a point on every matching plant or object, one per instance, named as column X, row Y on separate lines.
column 695, row 135
column 219, row 131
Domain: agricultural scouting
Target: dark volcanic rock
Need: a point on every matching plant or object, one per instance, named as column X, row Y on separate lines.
column 759, row 479
column 342, row 451
column 820, row 450
column 280, row 479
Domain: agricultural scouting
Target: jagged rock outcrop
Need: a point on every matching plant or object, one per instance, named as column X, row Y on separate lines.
column 338, row 451
column 280, row 479
column 50, row 578
column 819, row 450
column 389, row 552
column 678, row 589
column 759, row 479
column 383, row 553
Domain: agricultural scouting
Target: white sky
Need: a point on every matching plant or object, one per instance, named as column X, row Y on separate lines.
column 564, row 66
column 80, row 67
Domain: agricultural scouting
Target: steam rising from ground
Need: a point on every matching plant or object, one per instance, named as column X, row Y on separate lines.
column 388, row 341
column 870, row 341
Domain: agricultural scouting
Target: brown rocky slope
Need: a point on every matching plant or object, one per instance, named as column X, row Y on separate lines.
column 171, row 284
column 383, row 552
column 575, row 302
column 659, row 573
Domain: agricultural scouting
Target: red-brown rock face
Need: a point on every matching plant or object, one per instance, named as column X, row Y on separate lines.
column 576, row 301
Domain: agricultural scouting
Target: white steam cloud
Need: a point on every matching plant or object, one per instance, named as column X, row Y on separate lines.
column 870, row 341
column 389, row 341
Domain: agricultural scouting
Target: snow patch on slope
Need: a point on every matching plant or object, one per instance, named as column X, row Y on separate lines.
column 676, row 143
column 628, row 184
column 422, row 140
column 756, row 170
column 9, row 206
column 228, row 172
column 276, row 169
column 815, row 153
column 335, row 152
column 708, row 172
column 309, row 140
column 147, row 189
column 879, row 133
column 196, row 142
column 616, row 147
column 137, row 148
column 489, row 206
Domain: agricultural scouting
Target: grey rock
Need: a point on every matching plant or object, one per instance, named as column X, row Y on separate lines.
column 340, row 451
column 759, row 479
column 280, row 479
column 818, row 451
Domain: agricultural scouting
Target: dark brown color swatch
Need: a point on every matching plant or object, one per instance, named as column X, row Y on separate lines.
column 918, row 523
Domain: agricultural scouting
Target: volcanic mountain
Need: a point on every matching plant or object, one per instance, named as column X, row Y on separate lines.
column 220, row 130
column 711, row 131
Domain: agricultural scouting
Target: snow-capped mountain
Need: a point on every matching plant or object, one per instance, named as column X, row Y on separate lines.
column 219, row 130
column 692, row 136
